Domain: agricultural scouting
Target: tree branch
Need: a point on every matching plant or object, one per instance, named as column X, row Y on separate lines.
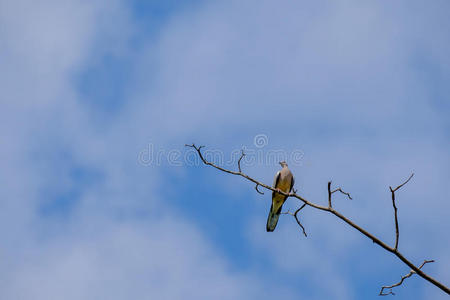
column 329, row 195
column 239, row 161
column 397, row 232
column 295, row 215
column 390, row 287
column 330, row 192
column 340, row 190
column 331, row 210
column 256, row 188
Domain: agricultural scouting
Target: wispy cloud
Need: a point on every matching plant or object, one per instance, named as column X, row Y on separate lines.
column 359, row 88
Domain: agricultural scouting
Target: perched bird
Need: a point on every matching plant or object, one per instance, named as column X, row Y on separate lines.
column 284, row 181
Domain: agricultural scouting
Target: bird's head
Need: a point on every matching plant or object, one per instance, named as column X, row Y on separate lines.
column 283, row 164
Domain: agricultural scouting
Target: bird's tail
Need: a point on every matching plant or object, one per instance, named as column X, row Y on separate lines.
column 272, row 219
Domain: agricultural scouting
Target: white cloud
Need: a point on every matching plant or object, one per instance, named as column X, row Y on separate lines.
column 95, row 251
column 164, row 259
column 345, row 78
column 342, row 76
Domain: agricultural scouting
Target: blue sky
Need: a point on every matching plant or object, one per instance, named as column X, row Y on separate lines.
column 358, row 90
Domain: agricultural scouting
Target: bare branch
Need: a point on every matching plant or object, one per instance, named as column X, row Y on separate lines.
column 397, row 232
column 329, row 209
column 295, row 215
column 390, row 287
column 256, row 188
column 298, row 221
column 239, row 161
column 411, row 176
column 340, row 190
column 330, row 192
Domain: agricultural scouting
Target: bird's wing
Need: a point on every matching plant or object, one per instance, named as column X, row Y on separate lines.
column 276, row 179
column 292, row 183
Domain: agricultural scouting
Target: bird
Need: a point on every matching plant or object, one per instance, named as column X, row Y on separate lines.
column 283, row 181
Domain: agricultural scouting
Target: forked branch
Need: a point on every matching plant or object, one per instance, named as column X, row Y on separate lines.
column 330, row 192
column 390, row 287
column 295, row 215
column 330, row 209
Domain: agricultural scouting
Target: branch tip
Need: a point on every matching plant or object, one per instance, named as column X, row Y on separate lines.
column 256, row 188
column 398, row 187
column 295, row 215
column 239, row 161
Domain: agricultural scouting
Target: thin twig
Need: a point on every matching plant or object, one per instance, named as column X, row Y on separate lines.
column 298, row 221
column 409, row 178
column 239, row 161
column 340, row 190
column 337, row 214
column 390, row 287
column 397, row 231
column 295, row 215
column 256, row 188
column 329, row 194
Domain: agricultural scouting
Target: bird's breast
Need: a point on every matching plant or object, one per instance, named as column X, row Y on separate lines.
column 285, row 183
